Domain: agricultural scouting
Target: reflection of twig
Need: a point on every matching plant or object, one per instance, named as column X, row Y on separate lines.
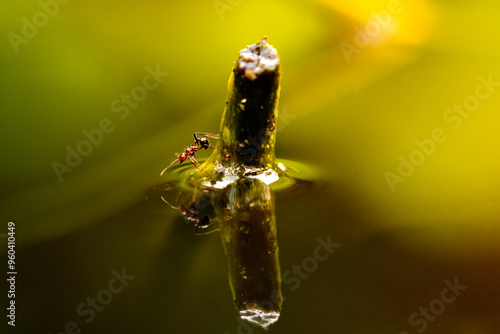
column 248, row 233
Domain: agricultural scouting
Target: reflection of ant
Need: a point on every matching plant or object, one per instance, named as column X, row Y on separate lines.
column 189, row 153
column 190, row 213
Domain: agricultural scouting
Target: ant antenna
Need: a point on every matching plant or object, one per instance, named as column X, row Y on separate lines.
column 164, row 200
column 163, row 171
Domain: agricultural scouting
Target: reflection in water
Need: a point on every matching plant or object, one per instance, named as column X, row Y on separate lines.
column 248, row 231
column 233, row 185
column 244, row 211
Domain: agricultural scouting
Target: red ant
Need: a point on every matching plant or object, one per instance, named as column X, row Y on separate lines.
column 190, row 151
column 190, row 214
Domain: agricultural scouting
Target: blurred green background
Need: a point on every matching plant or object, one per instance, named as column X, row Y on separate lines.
column 363, row 83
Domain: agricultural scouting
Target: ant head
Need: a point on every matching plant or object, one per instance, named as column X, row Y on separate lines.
column 182, row 158
column 183, row 209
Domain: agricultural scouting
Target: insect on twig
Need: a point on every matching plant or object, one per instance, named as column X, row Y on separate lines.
column 190, row 151
column 190, row 214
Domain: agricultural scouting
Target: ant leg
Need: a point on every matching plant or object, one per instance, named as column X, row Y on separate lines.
column 204, row 225
column 195, row 195
column 206, row 134
column 205, row 232
column 194, row 162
